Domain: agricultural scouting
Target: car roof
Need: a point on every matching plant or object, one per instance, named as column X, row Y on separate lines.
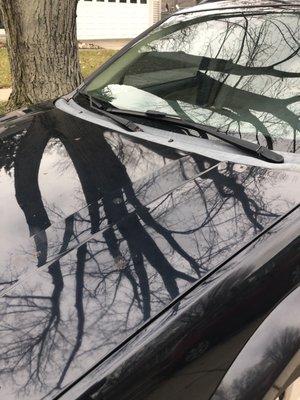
column 240, row 4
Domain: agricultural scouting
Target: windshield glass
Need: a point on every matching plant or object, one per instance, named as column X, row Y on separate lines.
column 238, row 73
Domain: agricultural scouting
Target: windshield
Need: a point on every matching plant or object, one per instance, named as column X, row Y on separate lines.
column 238, row 73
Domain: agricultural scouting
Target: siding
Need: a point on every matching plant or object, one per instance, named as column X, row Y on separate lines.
column 114, row 20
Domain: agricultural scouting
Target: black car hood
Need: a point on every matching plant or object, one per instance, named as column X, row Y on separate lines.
column 100, row 232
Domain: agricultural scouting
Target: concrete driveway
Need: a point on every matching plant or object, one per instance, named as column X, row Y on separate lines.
column 293, row 392
column 4, row 94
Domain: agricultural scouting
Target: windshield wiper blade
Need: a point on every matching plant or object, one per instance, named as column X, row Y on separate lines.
column 253, row 148
column 101, row 108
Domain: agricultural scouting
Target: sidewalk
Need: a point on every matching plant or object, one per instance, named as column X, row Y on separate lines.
column 4, row 94
column 110, row 44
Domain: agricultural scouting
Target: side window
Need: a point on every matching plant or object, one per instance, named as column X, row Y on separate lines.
column 267, row 367
column 270, row 361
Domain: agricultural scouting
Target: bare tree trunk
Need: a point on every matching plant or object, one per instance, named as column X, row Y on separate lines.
column 42, row 48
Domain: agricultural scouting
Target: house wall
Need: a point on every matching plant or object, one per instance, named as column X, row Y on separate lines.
column 114, row 19
column 170, row 6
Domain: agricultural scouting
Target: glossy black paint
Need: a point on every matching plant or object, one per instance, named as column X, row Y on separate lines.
column 186, row 352
column 102, row 234
column 132, row 271
column 270, row 358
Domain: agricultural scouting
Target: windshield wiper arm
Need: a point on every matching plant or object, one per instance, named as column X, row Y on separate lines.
column 101, row 109
column 253, row 148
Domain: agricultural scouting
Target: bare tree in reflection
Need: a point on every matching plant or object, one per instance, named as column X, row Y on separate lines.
column 143, row 276
column 244, row 81
column 107, row 176
column 140, row 241
column 255, row 381
column 28, row 194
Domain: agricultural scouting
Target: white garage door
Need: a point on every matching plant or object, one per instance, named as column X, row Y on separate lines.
column 113, row 19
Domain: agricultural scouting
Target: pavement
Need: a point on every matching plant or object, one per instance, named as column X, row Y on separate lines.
column 4, row 94
column 113, row 44
column 293, row 393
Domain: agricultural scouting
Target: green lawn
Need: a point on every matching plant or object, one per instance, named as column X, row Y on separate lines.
column 89, row 61
column 4, row 69
column 92, row 59
column 2, row 107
